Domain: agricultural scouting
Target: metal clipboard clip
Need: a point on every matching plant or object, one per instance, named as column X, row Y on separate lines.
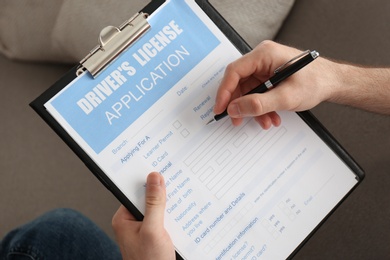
column 112, row 42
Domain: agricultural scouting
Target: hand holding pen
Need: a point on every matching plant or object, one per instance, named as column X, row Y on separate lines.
column 295, row 91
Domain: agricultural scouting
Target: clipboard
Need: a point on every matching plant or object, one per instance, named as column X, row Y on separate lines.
column 203, row 233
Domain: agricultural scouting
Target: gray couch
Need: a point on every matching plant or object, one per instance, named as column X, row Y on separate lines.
column 38, row 171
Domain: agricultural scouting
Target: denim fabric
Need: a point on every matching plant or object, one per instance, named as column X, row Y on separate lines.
column 59, row 234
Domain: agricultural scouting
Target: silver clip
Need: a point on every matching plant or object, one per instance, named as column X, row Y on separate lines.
column 279, row 69
column 112, row 42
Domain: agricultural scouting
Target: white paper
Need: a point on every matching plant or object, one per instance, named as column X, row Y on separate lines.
column 232, row 192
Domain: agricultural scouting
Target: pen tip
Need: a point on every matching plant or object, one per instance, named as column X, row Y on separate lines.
column 211, row 121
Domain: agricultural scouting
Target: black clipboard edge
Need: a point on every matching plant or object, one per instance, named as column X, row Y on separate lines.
column 333, row 144
column 224, row 26
column 38, row 106
column 291, row 256
column 307, row 116
column 243, row 47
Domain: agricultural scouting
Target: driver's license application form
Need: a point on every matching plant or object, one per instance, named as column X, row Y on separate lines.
column 232, row 192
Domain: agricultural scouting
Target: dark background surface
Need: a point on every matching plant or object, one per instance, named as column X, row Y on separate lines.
column 39, row 172
column 356, row 32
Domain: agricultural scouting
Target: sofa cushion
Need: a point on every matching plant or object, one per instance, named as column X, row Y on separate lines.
column 65, row 31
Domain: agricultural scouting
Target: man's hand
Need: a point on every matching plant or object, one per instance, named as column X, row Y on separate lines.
column 303, row 90
column 147, row 239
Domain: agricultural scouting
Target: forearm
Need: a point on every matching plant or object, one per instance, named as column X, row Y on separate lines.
column 322, row 80
column 364, row 88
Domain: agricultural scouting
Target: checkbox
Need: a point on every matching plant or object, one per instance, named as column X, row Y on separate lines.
column 185, row 133
column 177, row 124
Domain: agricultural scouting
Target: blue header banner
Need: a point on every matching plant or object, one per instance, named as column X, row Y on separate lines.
column 102, row 108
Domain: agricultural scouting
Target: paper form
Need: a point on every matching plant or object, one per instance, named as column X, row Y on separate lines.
column 232, row 192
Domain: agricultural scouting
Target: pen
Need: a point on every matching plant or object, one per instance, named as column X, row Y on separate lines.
column 281, row 73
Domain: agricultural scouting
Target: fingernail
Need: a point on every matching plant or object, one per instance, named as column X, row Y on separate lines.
column 153, row 179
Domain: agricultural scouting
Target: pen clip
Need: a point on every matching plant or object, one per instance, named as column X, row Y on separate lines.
column 279, row 69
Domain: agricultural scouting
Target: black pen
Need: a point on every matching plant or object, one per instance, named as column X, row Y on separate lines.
column 281, row 74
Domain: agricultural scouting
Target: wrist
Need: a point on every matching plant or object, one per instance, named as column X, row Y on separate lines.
column 361, row 87
column 328, row 79
column 340, row 85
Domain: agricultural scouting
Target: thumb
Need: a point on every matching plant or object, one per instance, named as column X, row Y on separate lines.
column 259, row 104
column 155, row 201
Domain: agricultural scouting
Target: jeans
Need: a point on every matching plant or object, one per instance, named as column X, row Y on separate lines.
column 59, row 234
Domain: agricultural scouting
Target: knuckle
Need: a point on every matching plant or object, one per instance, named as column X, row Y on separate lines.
column 267, row 45
column 230, row 68
column 115, row 223
column 256, row 106
column 153, row 200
